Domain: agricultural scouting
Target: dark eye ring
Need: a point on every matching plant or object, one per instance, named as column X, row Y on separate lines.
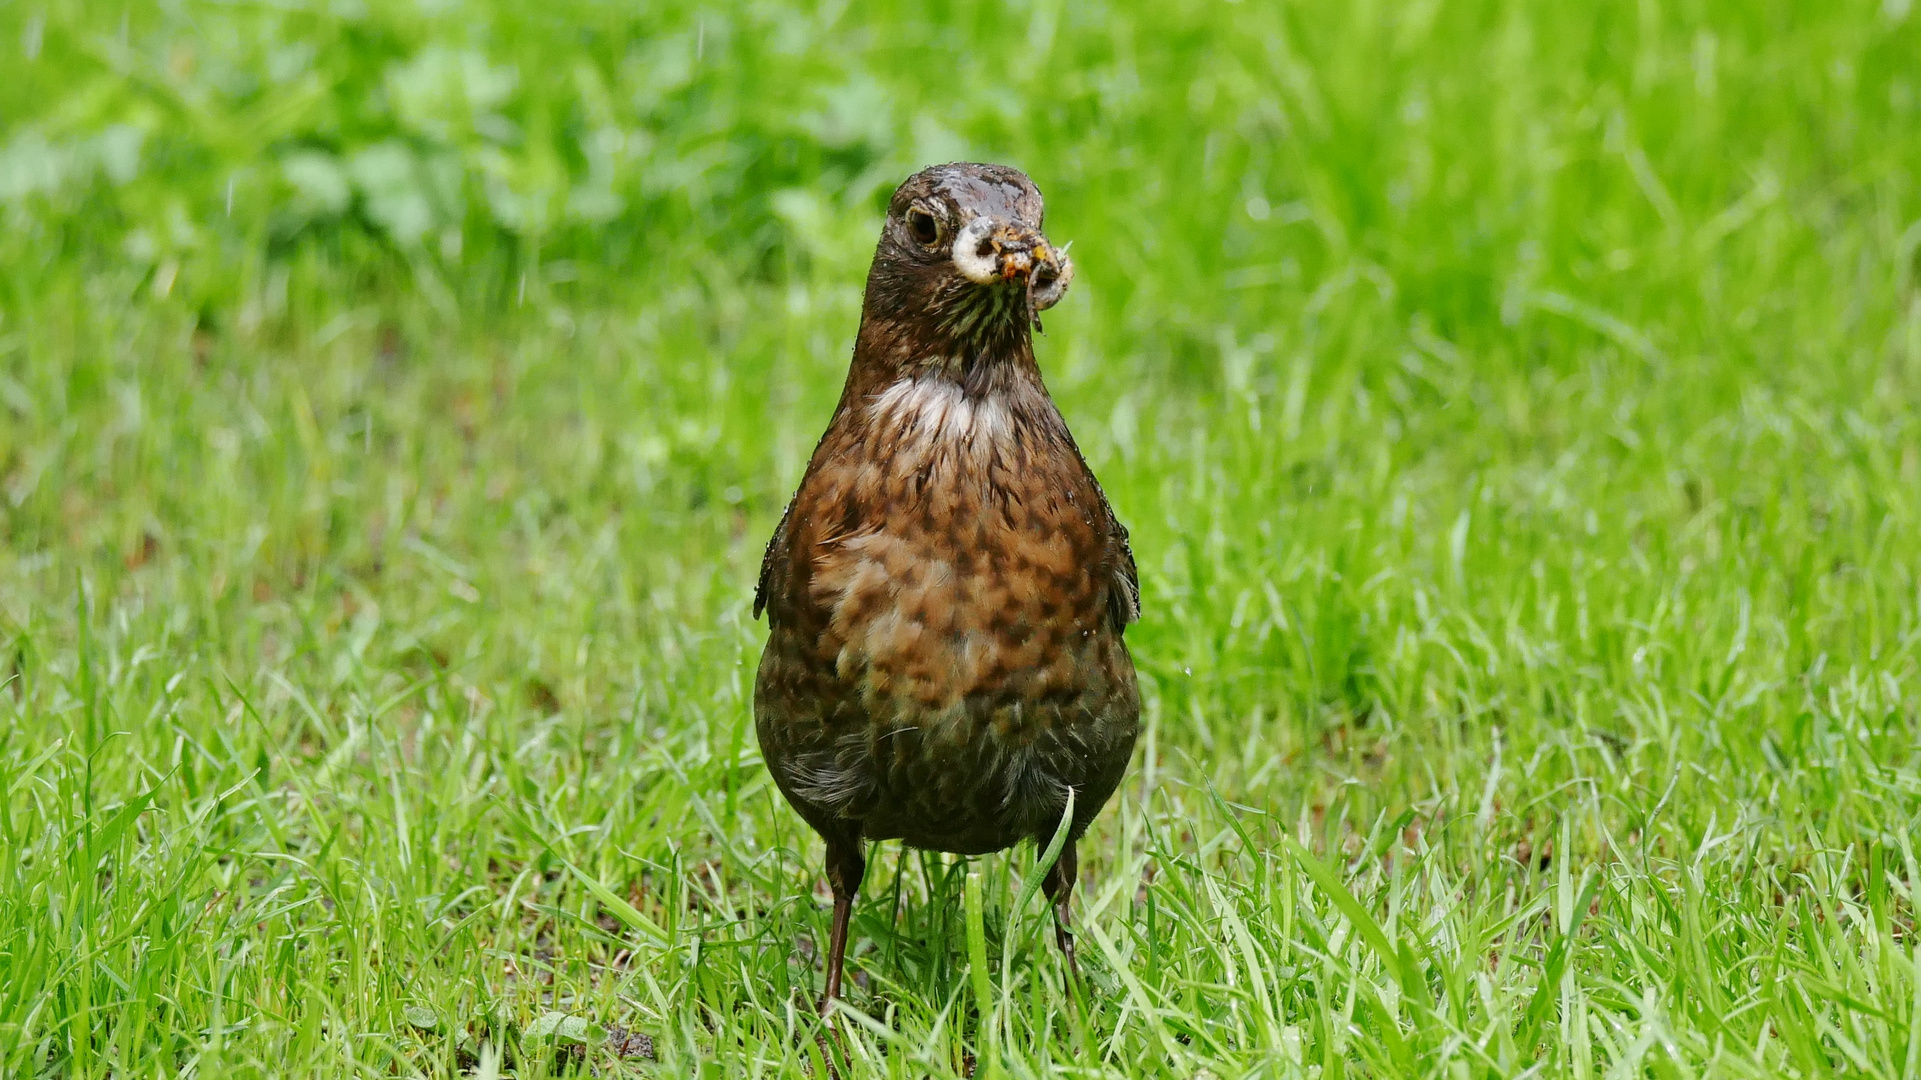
column 923, row 226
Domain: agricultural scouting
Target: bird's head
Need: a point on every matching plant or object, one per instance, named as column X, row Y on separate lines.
column 963, row 250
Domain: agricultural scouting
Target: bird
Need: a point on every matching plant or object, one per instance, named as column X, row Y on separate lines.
column 947, row 593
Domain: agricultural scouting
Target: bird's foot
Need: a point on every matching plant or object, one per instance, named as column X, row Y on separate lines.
column 830, row 1040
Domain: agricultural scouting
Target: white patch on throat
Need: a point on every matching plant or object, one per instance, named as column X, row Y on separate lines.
column 932, row 409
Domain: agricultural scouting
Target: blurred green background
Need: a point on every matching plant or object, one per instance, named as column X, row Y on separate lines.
column 1514, row 406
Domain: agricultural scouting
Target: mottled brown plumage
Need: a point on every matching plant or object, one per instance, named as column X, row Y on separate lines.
column 947, row 592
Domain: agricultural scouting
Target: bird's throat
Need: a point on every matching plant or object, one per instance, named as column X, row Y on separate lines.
column 888, row 352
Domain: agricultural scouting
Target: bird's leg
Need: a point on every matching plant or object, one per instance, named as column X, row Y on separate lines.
column 845, row 868
column 1059, row 887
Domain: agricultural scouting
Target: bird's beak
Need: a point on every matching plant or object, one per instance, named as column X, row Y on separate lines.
column 988, row 251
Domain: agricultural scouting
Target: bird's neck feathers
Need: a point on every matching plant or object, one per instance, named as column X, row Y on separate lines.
column 890, row 349
column 915, row 388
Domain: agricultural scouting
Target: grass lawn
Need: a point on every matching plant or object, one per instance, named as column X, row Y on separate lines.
column 1516, row 407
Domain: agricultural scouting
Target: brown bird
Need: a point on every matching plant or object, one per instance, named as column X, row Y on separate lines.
column 947, row 592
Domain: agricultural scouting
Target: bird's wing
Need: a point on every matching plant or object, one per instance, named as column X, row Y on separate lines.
column 1124, row 590
column 774, row 562
column 1124, row 598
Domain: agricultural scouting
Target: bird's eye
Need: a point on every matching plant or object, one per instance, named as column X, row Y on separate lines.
column 923, row 225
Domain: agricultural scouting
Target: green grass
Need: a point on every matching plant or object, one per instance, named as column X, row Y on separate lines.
column 1517, row 408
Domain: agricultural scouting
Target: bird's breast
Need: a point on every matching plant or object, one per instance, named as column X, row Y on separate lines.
column 960, row 575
